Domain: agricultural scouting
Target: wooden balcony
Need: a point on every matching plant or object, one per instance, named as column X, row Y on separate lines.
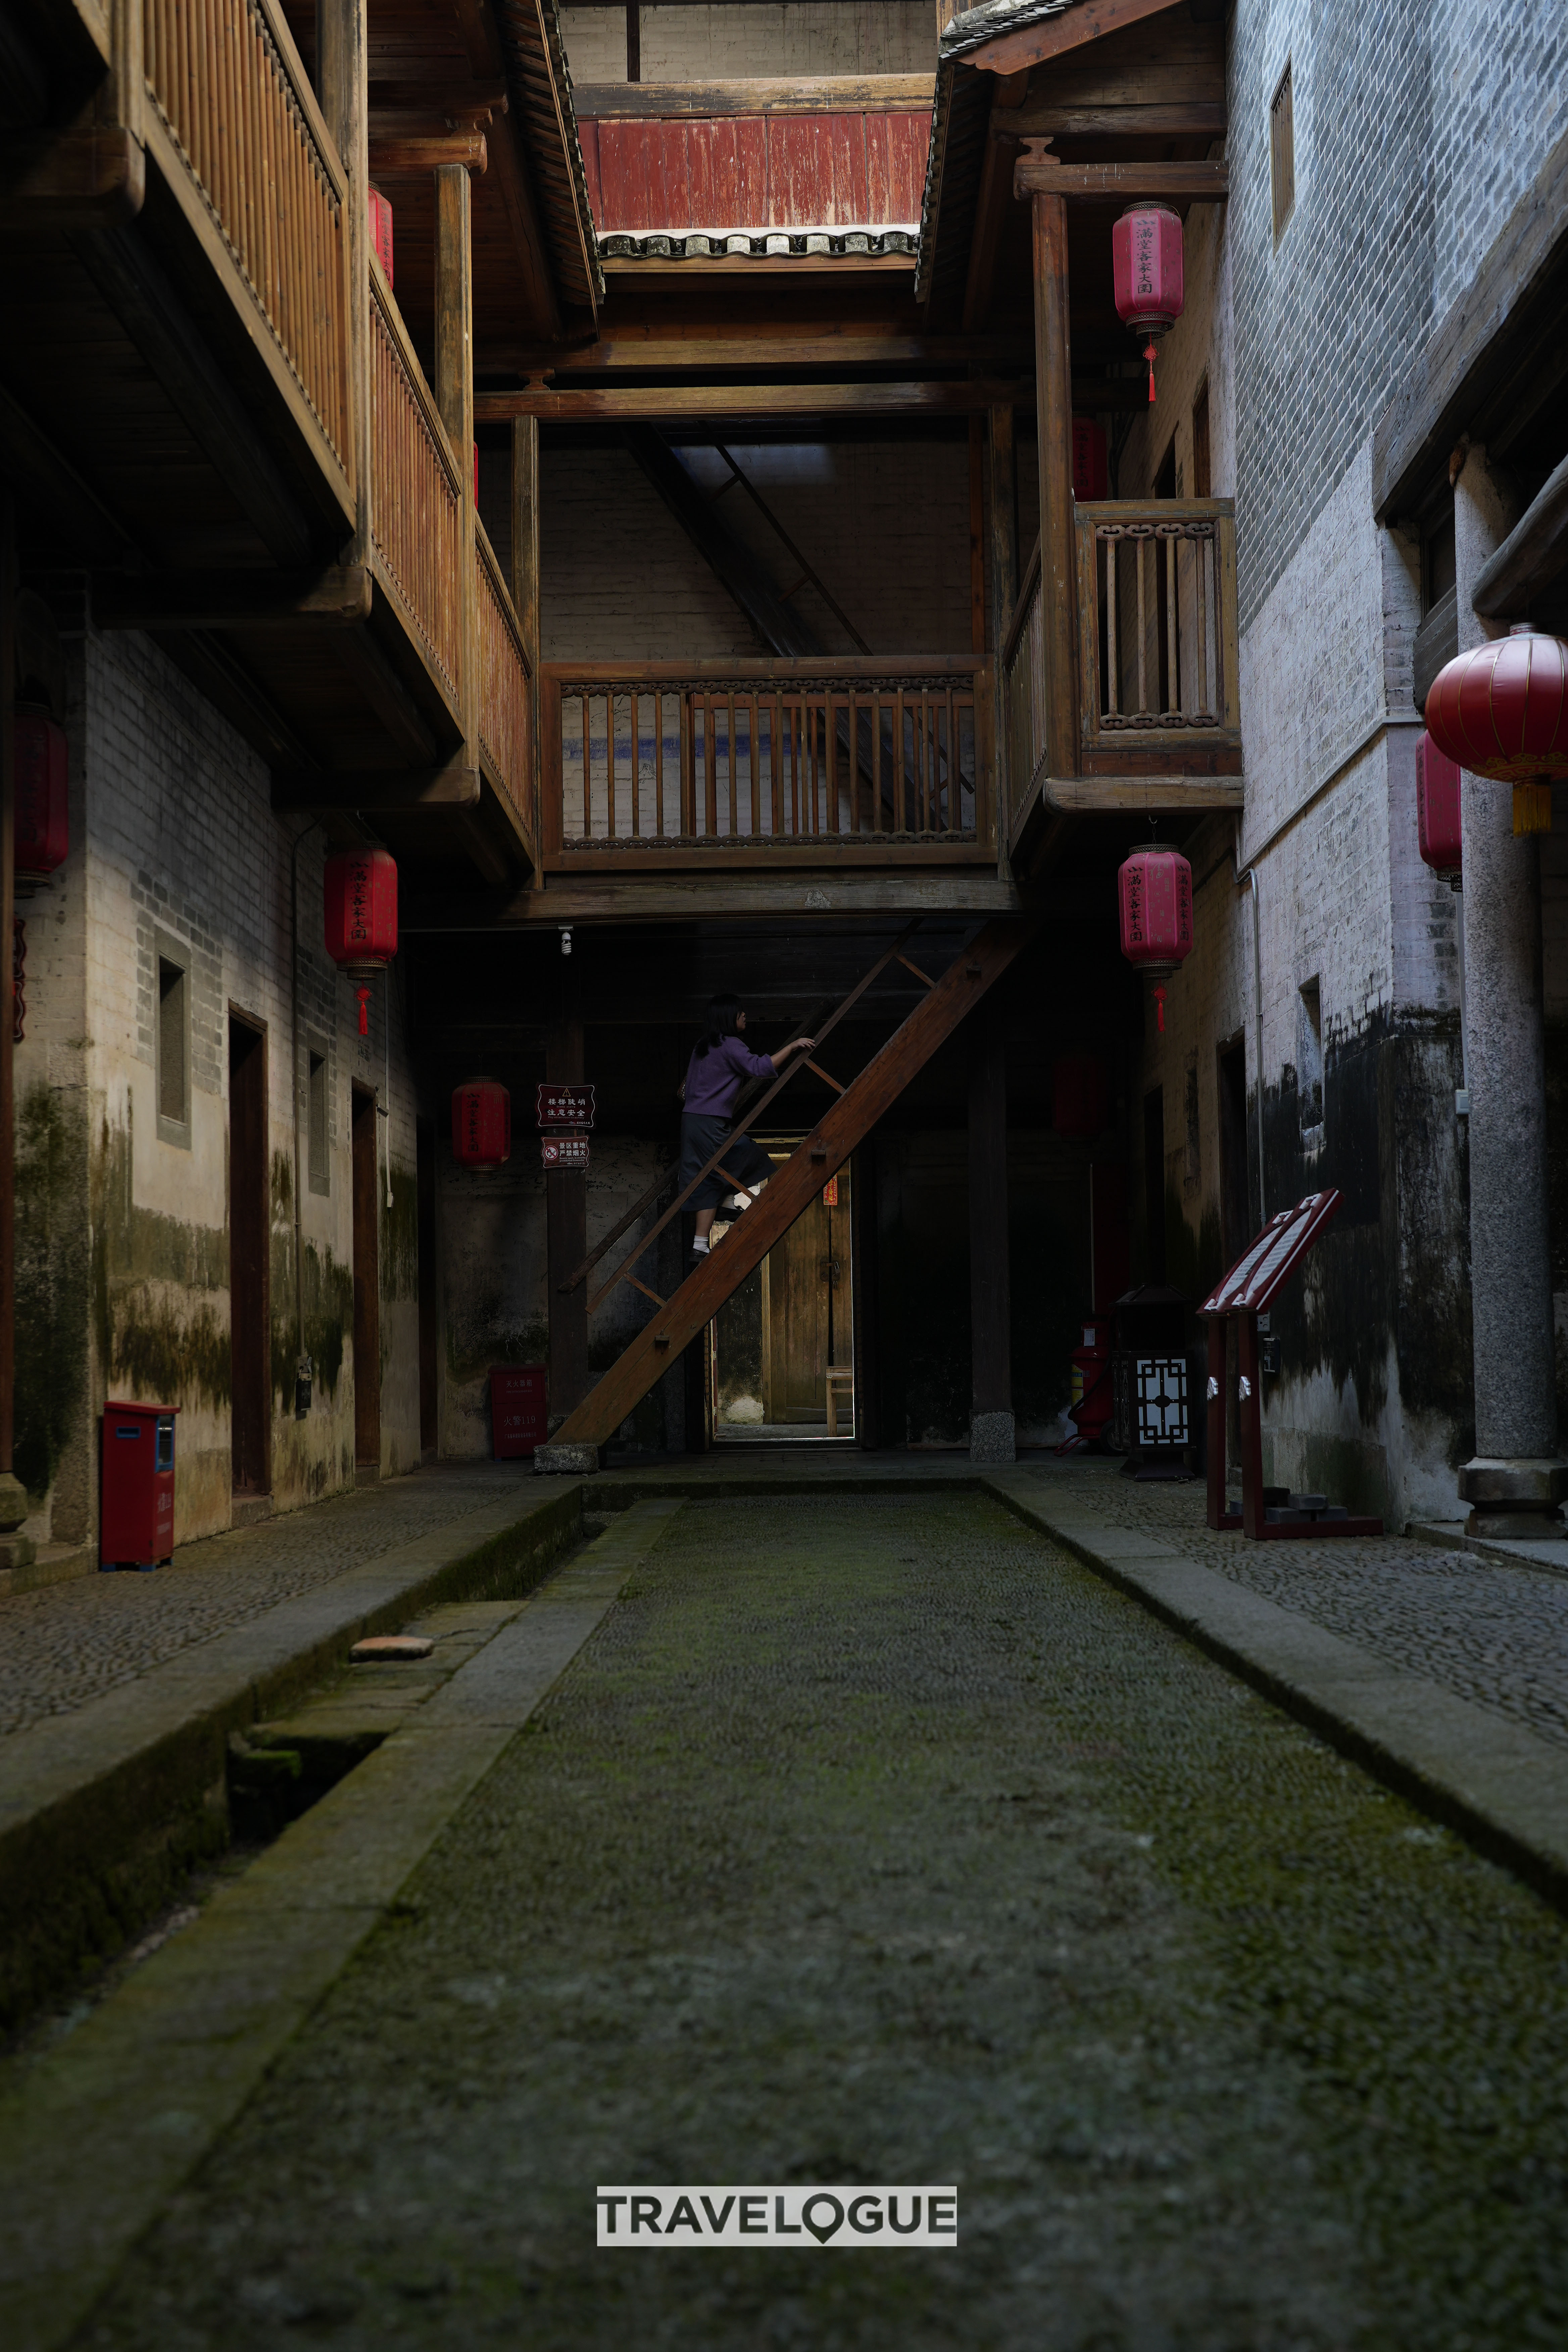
column 1157, row 720
column 658, row 766
column 255, row 467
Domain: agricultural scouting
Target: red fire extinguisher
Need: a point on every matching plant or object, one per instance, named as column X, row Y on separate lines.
column 1089, row 1404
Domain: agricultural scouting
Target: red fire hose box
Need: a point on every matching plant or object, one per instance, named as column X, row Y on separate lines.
column 517, row 1409
column 137, row 1523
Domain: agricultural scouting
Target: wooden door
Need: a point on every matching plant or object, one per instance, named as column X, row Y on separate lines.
column 250, row 1420
column 367, row 1282
column 808, row 1310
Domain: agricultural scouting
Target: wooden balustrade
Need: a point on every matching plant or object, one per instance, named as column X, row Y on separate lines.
column 505, row 716
column 754, row 757
column 1158, row 624
column 226, row 80
column 417, row 520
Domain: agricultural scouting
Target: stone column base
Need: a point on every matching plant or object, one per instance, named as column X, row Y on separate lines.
column 1514, row 1497
column 991, row 1439
column 17, row 1551
column 565, row 1461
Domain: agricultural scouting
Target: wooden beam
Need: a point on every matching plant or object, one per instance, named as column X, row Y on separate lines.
column 79, row 523
column 1532, row 554
column 1520, row 285
column 510, row 180
column 851, row 1116
column 1058, row 567
column 1034, row 45
column 990, row 1319
column 1197, row 184
column 87, row 179
column 342, row 53
column 451, row 101
column 668, row 101
column 232, row 600
column 843, row 268
column 850, row 897
column 410, row 159
column 1084, row 794
column 396, row 713
column 977, row 534
column 377, row 790
column 665, row 350
column 730, row 403
column 1169, row 118
column 142, row 298
column 453, row 385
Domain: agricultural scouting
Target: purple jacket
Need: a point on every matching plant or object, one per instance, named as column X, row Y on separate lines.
column 713, row 1079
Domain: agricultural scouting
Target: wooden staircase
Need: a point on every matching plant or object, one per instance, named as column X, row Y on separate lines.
column 859, row 1106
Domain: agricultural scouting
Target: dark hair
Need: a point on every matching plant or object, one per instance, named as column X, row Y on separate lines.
column 722, row 1023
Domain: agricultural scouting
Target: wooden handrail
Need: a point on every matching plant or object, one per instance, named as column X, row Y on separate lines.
column 415, row 507
column 505, row 685
column 230, row 90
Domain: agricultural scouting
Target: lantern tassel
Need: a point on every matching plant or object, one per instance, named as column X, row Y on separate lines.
column 1149, row 355
column 1160, row 1006
column 1532, row 808
column 363, row 995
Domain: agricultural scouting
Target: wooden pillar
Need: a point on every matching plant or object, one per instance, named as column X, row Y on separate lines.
column 15, row 1551
column 977, row 536
column 341, row 70
column 990, row 1319
column 524, row 582
column 454, row 389
column 868, row 1301
column 1053, row 395
column 566, row 1219
column 1004, row 553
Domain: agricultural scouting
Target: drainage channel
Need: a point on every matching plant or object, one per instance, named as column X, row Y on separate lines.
column 357, row 1782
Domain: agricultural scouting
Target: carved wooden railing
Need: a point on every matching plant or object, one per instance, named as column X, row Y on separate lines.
column 1157, row 626
column 226, row 80
column 505, row 713
column 747, row 759
column 416, row 507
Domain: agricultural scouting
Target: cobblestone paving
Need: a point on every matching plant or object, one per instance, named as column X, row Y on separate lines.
column 67, row 1644
column 875, row 1839
column 1494, row 1632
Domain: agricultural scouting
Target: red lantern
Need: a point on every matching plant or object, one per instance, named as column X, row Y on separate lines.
column 1155, row 886
column 1091, row 470
column 1081, row 1097
column 481, row 1124
column 1502, row 711
column 41, row 831
column 1146, row 258
column 1437, row 807
column 360, row 891
column 381, row 231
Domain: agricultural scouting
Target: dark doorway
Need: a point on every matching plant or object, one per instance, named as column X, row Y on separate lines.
column 426, row 1141
column 250, row 1420
column 1154, row 1182
column 1234, row 1205
column 367, row 1283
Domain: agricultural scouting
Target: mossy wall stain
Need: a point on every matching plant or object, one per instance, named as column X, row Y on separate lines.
column 400, row 1238
column 157, row 1284
column 53, row 1279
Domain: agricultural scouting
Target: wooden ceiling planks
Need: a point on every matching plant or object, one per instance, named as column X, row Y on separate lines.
column 756, row 171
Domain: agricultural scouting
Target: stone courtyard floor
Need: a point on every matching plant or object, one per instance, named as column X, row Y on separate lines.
column 871, row 1837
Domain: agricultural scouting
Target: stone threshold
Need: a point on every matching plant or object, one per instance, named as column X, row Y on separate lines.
column 1502, row 1788
column 1451, row 1535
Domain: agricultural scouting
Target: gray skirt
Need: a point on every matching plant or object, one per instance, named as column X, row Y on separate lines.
column 700, row 1139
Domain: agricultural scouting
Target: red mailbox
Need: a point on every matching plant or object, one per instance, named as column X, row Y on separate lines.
column 137, row 1524
column 518, row 1406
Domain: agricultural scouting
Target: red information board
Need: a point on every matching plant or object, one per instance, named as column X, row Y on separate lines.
column 565, row 1107
column 1268, row 1261
column 563, row 1150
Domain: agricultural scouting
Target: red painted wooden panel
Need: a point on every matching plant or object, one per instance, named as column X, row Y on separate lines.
column 781, row 171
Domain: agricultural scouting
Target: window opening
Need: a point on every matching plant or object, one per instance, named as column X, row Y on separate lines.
column 1283, row 152
column 1309, row 1063
column 316, row 1102
column 173, row 1052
